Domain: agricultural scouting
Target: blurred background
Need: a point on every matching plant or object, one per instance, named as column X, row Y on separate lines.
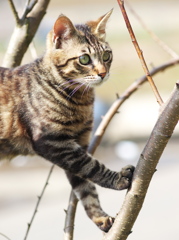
column 22, row 179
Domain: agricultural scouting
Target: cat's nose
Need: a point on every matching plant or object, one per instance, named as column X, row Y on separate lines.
column 102, row 75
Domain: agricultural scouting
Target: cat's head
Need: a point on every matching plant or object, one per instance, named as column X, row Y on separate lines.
column 80, row 53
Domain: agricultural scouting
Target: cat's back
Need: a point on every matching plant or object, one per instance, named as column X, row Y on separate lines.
column 10, row 79
column 10, row 88
column 11, row 129
column 5, row 76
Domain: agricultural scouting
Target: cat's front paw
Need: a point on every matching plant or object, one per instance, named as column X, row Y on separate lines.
column 125, row 177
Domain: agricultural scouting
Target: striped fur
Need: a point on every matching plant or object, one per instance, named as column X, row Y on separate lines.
column 46, row 108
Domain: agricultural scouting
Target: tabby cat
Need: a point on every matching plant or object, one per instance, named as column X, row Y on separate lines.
column 46, row 108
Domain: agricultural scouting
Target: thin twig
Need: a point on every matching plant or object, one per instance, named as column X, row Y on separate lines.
column 38, row 202
column 70, row 217
column 15, row 13
column 139, row 52
column 162, row 44
column 5, row 236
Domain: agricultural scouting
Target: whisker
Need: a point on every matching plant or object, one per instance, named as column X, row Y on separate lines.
column 73, row 83
column 64, row 83
column 76, row 89
column 85, row 90
column 79, row 82
column 70, row 83
column 67, row 82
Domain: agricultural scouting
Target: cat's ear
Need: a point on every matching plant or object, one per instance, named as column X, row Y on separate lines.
column 63, row 30
column 98, row 27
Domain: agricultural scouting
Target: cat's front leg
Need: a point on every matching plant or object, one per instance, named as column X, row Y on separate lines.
column 66, row 153
column 86, row 192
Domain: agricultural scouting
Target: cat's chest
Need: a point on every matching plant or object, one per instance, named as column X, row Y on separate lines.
column 64, row 112
column 69, row 118
column 73, row 117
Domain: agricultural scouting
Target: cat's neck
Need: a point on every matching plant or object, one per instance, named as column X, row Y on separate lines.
column 76, row 91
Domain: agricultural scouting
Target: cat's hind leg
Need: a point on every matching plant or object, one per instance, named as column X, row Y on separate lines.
column 86, row 192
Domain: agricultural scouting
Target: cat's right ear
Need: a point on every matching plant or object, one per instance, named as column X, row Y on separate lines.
column 63, row 30
column 98, row 27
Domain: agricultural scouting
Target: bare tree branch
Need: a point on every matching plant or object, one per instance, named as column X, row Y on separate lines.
column 24, row 32
column 139, row 52
column 145, row 169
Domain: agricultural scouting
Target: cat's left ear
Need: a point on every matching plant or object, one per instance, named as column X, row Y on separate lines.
column 98, row 27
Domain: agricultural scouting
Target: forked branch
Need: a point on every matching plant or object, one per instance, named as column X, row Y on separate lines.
column 24, row 31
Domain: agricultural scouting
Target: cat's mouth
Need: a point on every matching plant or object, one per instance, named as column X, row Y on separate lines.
column 94, row 80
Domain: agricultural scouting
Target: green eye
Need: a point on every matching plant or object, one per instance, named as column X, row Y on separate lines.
column 106, row 56
column 85, row 59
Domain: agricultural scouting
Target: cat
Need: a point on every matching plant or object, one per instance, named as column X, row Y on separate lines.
column 46, row 109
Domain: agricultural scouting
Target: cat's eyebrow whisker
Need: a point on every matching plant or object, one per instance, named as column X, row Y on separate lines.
column 115, row 66
column 115, row 71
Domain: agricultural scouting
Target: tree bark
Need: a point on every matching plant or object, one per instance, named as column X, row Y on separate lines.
column 24, row 32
